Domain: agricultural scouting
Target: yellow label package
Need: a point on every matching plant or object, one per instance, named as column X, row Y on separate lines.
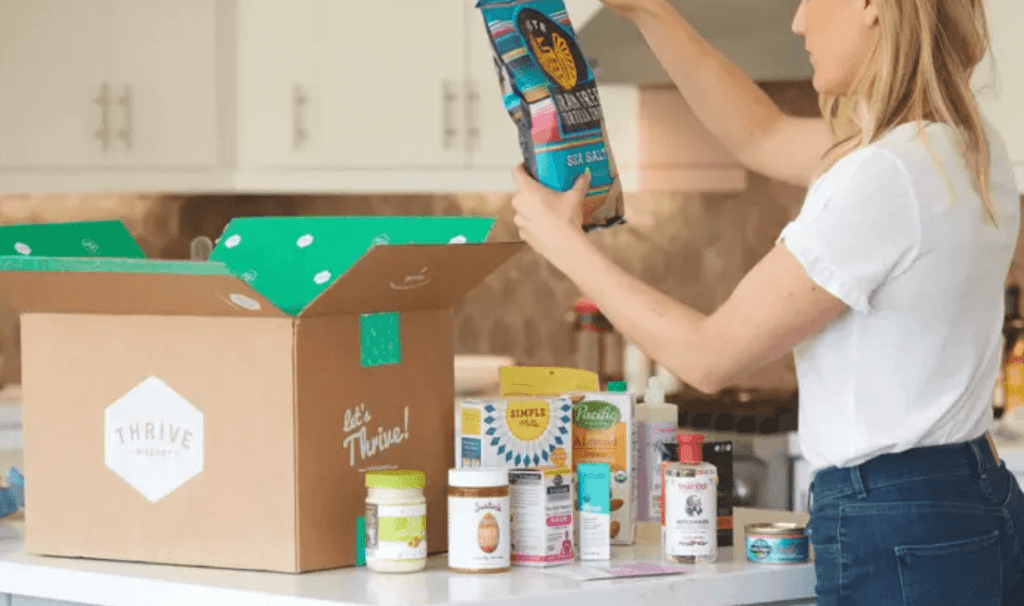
column 604, row 432
column 530, row 426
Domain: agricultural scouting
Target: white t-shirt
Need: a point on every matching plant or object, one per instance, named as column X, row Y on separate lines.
column 913, row 362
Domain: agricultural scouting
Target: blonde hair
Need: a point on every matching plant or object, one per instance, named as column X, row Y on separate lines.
column 920, row 70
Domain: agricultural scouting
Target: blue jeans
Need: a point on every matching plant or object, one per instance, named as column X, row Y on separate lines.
column 932, row 526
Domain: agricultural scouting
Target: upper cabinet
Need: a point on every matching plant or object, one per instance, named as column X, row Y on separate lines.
column 107, row 84
column 1001, row 91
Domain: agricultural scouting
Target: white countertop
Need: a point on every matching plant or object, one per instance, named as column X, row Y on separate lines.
column 732, row 581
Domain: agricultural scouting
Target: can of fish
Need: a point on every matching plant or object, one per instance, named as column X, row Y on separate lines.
column 778, row 543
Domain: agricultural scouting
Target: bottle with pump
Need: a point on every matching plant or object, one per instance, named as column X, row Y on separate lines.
column 690, row 533
column 657, row 423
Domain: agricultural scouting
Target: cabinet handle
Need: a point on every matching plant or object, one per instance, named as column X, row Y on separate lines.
column 472, row 116
column 103, row 100
column 300, row 100
column 449, row 133
column 127, row 132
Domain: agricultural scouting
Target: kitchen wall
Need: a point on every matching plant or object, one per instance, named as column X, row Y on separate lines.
column 694, row 247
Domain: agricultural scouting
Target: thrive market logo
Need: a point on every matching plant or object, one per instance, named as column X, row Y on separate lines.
column 365, row 442
column 153, row 439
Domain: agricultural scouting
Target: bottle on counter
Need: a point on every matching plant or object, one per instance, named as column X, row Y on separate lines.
column 690, row 533
column 396, row 521
column 599, row 346
column 1013, row 353
column 478, row 520
column 657, row 423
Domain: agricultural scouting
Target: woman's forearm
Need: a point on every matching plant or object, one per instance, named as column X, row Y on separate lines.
column 720, row 94
column 665, row 329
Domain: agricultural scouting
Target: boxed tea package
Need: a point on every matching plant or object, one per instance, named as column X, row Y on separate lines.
column 223, row 412
column 530, row 426
column 551, row 95
column 541, row 505
column 604, row 431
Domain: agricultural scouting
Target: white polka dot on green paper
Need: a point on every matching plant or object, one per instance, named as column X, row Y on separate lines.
column 304, row 241
column 322, row 277
column 233, row 241
column 23, row 248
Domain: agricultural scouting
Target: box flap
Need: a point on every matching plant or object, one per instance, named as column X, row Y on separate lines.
column 82, row 239
column 292, row 260
column 406, row 278
column 128, row 286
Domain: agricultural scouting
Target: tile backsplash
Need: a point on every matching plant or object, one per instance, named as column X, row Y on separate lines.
column 694, row 247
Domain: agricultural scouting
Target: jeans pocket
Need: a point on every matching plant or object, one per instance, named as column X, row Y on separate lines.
column 967, row 572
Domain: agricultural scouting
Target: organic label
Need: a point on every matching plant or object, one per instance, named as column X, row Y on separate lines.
column 528, row 419
column 594, row 414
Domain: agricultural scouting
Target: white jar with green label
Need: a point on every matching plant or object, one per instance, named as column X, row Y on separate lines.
column 396, row 521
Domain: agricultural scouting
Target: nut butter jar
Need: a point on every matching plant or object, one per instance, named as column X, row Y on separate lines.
column 478, row 520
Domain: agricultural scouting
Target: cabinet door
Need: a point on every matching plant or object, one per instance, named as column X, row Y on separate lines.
column 280, row 98
column 1002, row 106
column 491, row 135
column 163, row 72
column 52, row 58
column 392, row 72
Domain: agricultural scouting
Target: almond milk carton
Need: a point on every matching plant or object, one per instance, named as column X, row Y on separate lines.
column 604, row 432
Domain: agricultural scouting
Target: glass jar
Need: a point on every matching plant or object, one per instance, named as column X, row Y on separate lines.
column 396, row 521
column 478, row 520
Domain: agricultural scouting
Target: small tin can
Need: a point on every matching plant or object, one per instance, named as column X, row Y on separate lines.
column 778, row 543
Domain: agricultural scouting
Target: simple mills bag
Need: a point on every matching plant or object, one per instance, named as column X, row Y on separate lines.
column 550, row 92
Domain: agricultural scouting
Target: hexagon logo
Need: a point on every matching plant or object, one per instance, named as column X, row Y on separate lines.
column 154, row 439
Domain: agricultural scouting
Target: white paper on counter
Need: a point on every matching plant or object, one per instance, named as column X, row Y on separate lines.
column 618, row 571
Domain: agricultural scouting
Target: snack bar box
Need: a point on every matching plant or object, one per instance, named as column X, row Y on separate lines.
column 223, row 413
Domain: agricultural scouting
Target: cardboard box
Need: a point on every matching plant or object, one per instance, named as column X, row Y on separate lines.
column 604, row 431
column 222, row 413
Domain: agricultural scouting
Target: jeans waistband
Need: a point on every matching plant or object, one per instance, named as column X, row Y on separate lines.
column 972, row 457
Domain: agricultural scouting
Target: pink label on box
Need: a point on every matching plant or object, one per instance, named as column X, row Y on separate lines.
column 559, row 521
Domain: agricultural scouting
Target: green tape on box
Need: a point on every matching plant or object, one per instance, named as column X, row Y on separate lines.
column 380, row 339
column 360, row 541
column 104, row 265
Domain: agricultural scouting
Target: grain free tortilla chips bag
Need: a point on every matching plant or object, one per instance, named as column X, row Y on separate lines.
column 551, row 94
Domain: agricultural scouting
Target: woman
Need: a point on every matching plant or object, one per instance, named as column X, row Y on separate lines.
column 887, row 286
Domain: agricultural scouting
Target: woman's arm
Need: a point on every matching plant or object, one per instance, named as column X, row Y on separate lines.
column 726, row 100
column 773, row 308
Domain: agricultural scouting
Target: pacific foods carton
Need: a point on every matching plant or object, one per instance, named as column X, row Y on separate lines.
column 604, row 432
column 541, row 503
column 223, row 413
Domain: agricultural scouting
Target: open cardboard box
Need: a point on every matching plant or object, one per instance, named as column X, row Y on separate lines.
column 222, row 413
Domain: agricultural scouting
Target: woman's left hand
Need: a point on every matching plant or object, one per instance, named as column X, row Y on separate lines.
column 549, row 221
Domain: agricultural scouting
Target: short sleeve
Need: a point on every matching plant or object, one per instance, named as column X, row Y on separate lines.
column 859, row 227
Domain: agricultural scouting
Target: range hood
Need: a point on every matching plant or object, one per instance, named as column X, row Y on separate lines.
column 754, row 34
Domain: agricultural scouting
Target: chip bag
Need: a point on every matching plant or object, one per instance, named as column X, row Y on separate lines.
column 550, row 92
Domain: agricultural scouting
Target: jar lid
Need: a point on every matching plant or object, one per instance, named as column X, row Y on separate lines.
column 396, row 478
column 478, row 477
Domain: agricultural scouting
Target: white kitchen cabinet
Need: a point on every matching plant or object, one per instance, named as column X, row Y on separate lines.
column 393, row 76
column 280, row 104
column 1003, row 103
column 106, row 83
column 53, row 88
column 491, row 136
column 161, row 66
